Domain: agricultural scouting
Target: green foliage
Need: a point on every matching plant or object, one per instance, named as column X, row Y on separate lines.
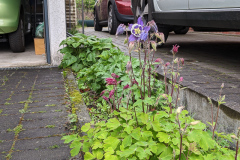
column 152, row 136
column 81, row 51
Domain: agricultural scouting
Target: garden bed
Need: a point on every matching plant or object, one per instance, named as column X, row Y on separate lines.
column 136, row 116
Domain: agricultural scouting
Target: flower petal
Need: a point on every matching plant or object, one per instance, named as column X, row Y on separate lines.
column 130, row 26
column 147, row 28
column 140, row 22
column 132, row 38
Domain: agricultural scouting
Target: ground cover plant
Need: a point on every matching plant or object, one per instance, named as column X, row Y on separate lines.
column 135, row 116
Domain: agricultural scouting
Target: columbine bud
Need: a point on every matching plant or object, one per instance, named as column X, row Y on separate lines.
column 119, row 82
column 102, row 92
column 165, row 96
column 111, row 93
column 111, row 81
column 105, row 98
column 134, row 81
column 131, row 46
column 114, row 75
column 179, row 109
column 182, row 61
column 126, row 87
column 126, row 41
column 194, row 123
column 153, row 26
column 154, row 45
column 167, row 64
column 180, row 79
column 128, row 66
column 160, row 36
column 234, row 137
column 158, row 60
column 121, row 28
column 158, row 66
column 175, row 49
column 222, row 85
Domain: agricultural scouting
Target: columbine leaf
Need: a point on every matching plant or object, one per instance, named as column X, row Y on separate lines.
column 97, row 144
column 136, row 133
column 98, row 153
column 156, row 126
column 144, row 118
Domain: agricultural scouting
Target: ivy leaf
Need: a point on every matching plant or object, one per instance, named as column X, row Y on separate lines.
column 113, row 124
column 85, row 127
column 163, row 137
column 111, row 142
column 88, row 156
column 127, row 141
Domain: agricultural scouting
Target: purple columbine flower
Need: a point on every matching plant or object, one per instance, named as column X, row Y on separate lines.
column 139, row 31
column 111, row 93
column 111, row 81
column 167, row 64
column 114, row 75
column 126, row 87
column 120, row 30
column 105, row 98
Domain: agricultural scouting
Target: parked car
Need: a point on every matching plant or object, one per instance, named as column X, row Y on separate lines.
column 15, row 23
column 179, row 15
column 111, row 13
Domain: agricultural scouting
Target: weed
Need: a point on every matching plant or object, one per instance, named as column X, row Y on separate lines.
column 58, row 110
column 36, row 149
column 9, row 130
column 8, row 99
column 1, row 111
column 54, row 146
column 50, row 126
column 1, row 141
column 7, row 103
column 50, row 105
column 41, row 111
column 18, row 129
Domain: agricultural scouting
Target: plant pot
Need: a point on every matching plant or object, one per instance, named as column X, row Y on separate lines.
column 89, row 23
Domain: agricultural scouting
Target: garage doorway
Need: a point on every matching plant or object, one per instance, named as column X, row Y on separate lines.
column 8, row 59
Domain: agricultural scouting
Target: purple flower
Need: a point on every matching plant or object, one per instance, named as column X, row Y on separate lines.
column 175, row 49
column 105, row 98
column 180, row 79
column 111, row 93
column 126, row 87
column 134, row 81
column 139, row 32
column 158, row 60
column 153, row 26
column 102, row 92
column 111, row 81
column 119, row 82
column 114, row 75
column 121, row 28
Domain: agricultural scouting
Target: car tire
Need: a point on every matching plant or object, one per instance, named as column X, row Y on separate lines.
column 182, row 31
column 17, row 39
column 113, row 23
column 97, row 26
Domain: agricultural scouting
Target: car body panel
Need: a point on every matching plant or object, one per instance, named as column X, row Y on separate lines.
column 168, row 5
column 123, row 7
column 213, row 4
column 9, row 15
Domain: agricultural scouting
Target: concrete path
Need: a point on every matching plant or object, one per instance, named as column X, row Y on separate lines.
column 32, row 115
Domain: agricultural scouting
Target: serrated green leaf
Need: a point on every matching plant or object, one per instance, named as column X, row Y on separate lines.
column 195, row 136
column 86, row 127
column 97, row 144
column 69, row 138
column 136, row 133
column 113, row 123
column 166, row 154
column 146, row 134
column 156, row 126
column 163, row 137
column 111, row 157
column 86, row 146
column 127, row 141
column 111, row 142
column 103, row 135
column 144, row 118
column 75, row 151
column 88, row 156
column 98, row 153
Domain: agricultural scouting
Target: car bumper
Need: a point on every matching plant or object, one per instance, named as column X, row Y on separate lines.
column 123, row 18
